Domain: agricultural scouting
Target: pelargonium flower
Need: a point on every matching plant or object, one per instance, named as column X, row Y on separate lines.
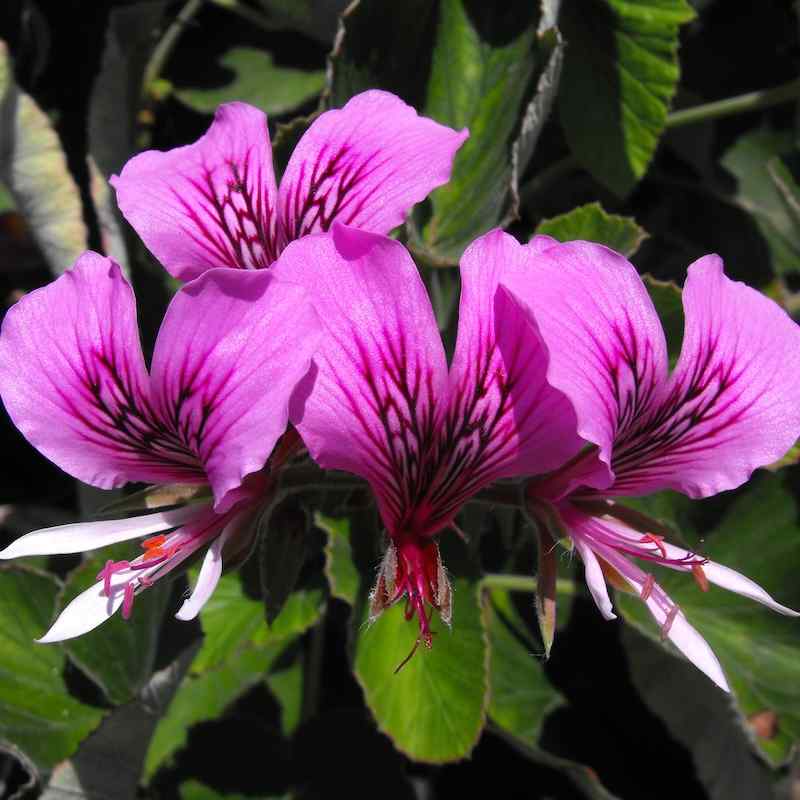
column 215, row 203
column 230, row 351
column 381, row 403
column 730, row 405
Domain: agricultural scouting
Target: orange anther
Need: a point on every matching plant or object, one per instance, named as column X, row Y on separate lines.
column 154, row 542
column 700, row 577
column 153, row 552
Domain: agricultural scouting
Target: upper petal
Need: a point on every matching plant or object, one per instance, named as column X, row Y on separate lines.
column 370, row 408
column 607, row 348
column 208, row 204
column 733, row 402
column 73, row 380
column 364, row 165
column 231, row 349
column 503, row 414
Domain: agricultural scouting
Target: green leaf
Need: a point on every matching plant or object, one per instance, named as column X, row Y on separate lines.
column 340, row 570
column 521, row 695
column 232, row 621
column 37, row 712
column 620, row 73
column 434, row 708
column 287, row 686
column 493, row 68
column 283, row 531
column 666, row 297
column 705, row 727
column 119, row 655
column 485, row 63
column 255, row 79
column 759, row 649
column 33, row 167
column 237, row 652
column 766, row 190
column 592, row 223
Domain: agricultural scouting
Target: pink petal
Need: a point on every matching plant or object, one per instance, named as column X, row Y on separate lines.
column 685, row 637
column 208, row 204
column 365, row 165
column 510, row 419
column 231, row 349
column 380, row 364
column 732, row 580
column 73, row 380
column 89, row 609
column 210, row 573
column 733, row 401
column 81, row 536
column 595, row 579
column 606, row 345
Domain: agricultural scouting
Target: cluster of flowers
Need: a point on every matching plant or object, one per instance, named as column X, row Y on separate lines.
column 560, row 374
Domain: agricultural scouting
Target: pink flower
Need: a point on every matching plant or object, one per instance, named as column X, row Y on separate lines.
column 215, row 203
column 730, row 405
column 74, row 381
column 381, row 403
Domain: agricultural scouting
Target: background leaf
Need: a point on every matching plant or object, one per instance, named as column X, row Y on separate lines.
column 256, row 80
column 620, row 73
column 34, row 169
column 592, row 223
column 37, row 712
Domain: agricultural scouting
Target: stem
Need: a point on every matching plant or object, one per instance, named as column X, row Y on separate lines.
column 248, row 14
column 751, row 101
column 163, row 50
column 307, row 477
column 523, row 583
column 501, row 494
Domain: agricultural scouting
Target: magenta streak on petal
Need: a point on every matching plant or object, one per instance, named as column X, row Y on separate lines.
column 426, row 465
column 236, row 229
column 631, row 376
column 104, row 399
column 330, row 192
column 670, row 435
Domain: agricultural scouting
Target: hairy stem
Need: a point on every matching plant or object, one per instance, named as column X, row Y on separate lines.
column 523, row 583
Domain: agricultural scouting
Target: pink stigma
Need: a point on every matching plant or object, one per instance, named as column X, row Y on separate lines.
column 107, row 573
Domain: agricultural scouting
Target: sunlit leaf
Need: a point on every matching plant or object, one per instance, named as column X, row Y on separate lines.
column 620, row 73
column 434, row 708
column 592, row 223
column 340, row 570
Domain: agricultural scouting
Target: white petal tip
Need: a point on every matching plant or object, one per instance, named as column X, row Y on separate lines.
column 186, row 613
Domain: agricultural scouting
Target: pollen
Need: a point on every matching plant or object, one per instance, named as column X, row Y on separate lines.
column 654, row 539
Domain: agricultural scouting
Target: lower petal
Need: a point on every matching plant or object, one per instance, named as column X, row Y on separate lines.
column 79, row 537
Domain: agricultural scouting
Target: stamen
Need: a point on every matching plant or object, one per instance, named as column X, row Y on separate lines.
column 647, row 587
column 107, row 573
column 700, row 577
column 127, row 602
column 652, row 538
column 154, row 542
column 667, row 626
